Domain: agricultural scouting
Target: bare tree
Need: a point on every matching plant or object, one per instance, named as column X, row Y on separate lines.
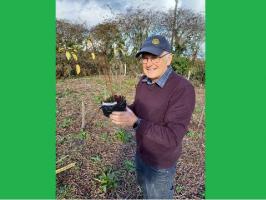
column 188, row 29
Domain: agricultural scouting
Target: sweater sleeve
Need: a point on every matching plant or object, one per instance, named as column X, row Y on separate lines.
column 132, row 106
column 176, row 121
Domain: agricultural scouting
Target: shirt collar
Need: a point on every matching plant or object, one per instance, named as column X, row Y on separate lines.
column 162, row 80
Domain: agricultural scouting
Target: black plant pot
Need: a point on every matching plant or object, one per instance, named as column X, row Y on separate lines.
column 109, row 107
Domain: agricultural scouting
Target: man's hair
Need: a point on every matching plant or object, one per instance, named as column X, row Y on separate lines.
column 167, row 57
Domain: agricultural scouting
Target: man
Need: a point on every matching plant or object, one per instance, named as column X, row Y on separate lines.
column 160, row 115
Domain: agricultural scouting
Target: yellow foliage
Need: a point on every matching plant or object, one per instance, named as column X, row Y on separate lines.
column 61, row 49
column 93, row 56
column 68, row 55
column 77, row 69
column 75, row 56
column 89, row 44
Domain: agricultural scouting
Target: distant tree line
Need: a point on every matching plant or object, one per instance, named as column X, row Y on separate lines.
column 111, row 46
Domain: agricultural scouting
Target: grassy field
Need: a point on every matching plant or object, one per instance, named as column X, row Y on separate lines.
column 104, row 153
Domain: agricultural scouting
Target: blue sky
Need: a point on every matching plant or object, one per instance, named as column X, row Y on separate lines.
column 95, row 11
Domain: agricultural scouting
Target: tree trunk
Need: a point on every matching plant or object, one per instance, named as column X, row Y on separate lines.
column 174, row 24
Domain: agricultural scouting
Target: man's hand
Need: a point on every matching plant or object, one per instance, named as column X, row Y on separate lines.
column 124, row 118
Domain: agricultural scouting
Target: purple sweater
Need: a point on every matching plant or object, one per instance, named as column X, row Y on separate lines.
column 165, row 114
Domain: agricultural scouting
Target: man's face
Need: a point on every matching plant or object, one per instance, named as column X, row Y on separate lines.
column 155, row 66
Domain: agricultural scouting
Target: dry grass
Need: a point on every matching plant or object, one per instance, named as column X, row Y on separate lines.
column 98, row 147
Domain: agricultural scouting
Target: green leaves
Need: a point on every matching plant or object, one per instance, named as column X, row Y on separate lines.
column 123, row 136
column 107, row 179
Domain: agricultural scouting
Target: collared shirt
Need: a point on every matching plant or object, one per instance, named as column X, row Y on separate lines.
column 162, row 80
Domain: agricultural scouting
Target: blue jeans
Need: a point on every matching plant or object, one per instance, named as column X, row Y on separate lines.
column 155, row 183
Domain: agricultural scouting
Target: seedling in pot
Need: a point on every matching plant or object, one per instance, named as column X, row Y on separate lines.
column 113, row 103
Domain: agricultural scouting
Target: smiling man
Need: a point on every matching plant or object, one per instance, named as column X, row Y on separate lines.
column 160, row 114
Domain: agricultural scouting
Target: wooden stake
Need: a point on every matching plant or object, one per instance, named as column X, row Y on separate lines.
column 83, row 116
column 65, row 168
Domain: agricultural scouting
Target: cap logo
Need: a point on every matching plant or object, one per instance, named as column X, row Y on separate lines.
column 155, row 41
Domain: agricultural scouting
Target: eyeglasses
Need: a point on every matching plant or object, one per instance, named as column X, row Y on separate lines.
column 154, row 60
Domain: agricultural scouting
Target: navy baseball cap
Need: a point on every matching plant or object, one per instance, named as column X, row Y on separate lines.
column 155, row 45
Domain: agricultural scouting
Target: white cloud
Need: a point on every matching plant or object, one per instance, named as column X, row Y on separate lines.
column 95, row 11
column 195, row 5
column 91, row 12
column 155, row 4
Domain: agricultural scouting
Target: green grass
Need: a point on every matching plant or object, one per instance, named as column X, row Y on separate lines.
column 123, row 136
column 97, row 98
column 178, row 188
column 129, row 165
column 100, row 96
column 105, row 137
column 83, row 135
column 192, row 134
column 100, row 124
column 96, row 158
column 66, row 122
column 129, row 82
